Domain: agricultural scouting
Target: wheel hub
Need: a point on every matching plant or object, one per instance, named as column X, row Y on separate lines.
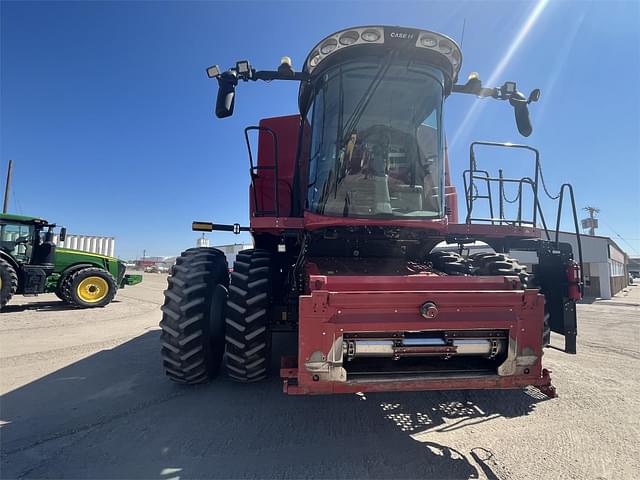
column 92, row 289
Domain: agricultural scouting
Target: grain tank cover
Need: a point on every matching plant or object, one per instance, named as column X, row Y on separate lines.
column 435, row 48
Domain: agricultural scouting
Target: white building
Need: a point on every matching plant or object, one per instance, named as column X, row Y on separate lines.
column 604, row 263
column 230, row 251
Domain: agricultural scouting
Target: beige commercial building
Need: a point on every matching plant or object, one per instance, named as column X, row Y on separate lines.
column 605, row 264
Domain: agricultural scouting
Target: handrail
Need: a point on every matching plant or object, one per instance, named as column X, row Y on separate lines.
column 469, row 194
column 472, row 162
column 569, row 187
column 482, row 175
column 253, row 171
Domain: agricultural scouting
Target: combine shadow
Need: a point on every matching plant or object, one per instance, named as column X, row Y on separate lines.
column 115, row 415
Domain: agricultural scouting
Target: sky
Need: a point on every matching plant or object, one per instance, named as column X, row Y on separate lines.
column 106, row 110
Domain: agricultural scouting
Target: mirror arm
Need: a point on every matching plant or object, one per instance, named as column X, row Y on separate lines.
column 507, row 91
column 476, row 88
column 269, row 75
column 228, row 80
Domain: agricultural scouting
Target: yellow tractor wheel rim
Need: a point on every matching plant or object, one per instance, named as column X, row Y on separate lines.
column 92, row 289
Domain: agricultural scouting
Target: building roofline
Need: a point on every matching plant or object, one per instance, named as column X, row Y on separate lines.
column 608, row 239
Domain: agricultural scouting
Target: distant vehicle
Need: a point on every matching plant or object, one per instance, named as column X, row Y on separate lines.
column 630, row 279
column 31, row 263
column 156, row 269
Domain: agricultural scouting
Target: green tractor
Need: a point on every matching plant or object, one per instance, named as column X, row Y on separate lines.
column 30, row 263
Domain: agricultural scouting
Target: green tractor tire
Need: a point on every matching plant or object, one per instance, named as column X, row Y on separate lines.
column 61, row 291
column 8, row 282
column 89, row 288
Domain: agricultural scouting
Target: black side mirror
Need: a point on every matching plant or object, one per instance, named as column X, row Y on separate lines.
column 225, row 102
column 521, row 110
column 534, row 96
column 63, row 234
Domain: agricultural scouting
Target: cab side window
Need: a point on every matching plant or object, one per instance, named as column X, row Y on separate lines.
column 16, row 239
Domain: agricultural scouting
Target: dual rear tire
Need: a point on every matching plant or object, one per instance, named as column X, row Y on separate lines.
column 207, row 313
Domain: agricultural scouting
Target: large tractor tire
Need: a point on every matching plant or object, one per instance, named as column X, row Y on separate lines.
column 499, row 264
column 89, row 287
column 61, row 295
column 451, row 263
column 8, row 282
column 248, row 333
column 193, row 316
column 62, row 290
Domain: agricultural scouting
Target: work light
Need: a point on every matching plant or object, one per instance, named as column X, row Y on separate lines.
column 213, row 72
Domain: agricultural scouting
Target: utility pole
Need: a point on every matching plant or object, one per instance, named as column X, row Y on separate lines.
column 593, row 221
column 7, row 187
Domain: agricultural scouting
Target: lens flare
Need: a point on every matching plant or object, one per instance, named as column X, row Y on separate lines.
column 478, row 104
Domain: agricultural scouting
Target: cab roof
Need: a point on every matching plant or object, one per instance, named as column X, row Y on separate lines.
column 21, row 218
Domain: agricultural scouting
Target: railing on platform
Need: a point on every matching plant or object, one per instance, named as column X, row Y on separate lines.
column 474, row 176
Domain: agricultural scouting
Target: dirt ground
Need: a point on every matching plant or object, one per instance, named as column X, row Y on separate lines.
column 84, row 396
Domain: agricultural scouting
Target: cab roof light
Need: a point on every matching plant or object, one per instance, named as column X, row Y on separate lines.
column 356, row 36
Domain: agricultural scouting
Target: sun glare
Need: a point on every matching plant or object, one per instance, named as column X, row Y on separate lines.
column 478, row 104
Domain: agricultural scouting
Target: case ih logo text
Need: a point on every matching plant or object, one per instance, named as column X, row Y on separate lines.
column 401, row 35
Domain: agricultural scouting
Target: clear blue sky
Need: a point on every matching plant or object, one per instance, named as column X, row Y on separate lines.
column 108, row 114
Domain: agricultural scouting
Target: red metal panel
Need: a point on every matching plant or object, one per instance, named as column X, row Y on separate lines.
column 451, row 203
column 276, row 225
column 436, row 228
column 488, row 230
column 408, row 283
column 329, row 311
column 450, row 194
column 314, row 221
column 286, row 129
column 542, row 381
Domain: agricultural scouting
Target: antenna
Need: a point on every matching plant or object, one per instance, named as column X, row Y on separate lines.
column 464, row 23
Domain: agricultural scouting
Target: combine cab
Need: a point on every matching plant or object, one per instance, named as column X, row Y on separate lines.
column 351, row 205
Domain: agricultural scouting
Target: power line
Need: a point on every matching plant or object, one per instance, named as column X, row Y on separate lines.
column 620, row 236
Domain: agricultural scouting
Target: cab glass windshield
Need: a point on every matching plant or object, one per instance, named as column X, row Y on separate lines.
column 376, row 147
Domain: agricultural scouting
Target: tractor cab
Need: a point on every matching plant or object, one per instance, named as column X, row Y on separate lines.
column 27, row 247
column 29, row 240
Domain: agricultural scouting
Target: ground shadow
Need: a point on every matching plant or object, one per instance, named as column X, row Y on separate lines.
column 44, row 306
column 115, row 415
column 587, row 300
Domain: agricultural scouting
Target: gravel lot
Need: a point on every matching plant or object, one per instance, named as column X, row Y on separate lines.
column 83, row 396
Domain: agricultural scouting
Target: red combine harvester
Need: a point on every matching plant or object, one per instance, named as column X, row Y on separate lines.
column 358, row 247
